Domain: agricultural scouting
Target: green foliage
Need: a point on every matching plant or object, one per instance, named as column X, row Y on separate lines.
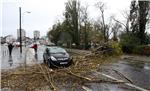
column 116, row 46
column 146, row 50
column 138, row 49
column 131, row 44
column 144, row 11
column 72, row 18
column 142, row 50
column 65, row 39
column 54, row 33
column 134, row 16
column 133, row 41
column 139, row 16
column 77, row 29
column 128, row 41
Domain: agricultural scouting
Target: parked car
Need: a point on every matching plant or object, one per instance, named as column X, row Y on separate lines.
column 55, row 56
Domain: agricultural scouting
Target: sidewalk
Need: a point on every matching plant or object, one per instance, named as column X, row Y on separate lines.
column 17, row 59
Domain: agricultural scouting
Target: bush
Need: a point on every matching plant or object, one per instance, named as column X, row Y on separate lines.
column 138, row 49
column 127, row 48
column 116, row 46
column 128, row 42
column 142, row 50
column 147, row 50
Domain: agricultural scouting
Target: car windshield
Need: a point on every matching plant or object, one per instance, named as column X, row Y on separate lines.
column 56, row 50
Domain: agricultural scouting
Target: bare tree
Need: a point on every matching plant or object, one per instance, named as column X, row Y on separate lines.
column 115, row 29
column 84, row 20
column 100, row 6
column 126, row 25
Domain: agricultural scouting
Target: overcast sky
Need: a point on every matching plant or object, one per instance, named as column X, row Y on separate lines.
column 44, row 13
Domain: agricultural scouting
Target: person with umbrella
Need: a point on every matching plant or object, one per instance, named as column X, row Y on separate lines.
column 10, row 48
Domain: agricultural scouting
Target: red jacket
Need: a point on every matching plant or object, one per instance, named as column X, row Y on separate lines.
column 34, row 46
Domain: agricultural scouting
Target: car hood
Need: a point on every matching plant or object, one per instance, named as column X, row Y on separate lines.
column 60, row 55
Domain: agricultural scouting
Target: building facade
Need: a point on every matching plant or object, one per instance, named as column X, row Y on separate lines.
column 36, row 34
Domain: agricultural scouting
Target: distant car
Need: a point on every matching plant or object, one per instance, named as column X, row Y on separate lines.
column 55, row 56
column 17, row 44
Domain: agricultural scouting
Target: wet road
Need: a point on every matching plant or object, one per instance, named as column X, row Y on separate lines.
column 27, row 57
column 135, row 68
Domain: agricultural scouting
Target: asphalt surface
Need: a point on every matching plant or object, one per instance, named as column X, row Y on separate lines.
column 135, row 68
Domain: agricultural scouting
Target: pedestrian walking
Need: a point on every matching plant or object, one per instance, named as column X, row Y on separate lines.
column 35, row 48
column 10, row 47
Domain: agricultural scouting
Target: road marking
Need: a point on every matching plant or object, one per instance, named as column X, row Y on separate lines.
column 128, row 84
column 137, row 87
column 86, row 88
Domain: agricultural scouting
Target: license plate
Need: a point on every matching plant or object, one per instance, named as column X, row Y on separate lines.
column 63, row 62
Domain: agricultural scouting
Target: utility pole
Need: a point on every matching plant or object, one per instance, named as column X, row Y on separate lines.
column 20, row 30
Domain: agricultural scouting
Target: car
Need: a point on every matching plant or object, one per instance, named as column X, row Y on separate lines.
column 55, row 56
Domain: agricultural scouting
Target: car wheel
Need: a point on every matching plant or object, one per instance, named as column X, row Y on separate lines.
column 44, row 59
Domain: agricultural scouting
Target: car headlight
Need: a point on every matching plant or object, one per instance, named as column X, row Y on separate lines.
column 53, row 58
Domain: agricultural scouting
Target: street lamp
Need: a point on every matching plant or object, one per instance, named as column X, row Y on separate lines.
column 20, row 28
